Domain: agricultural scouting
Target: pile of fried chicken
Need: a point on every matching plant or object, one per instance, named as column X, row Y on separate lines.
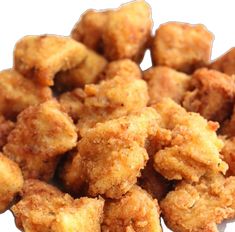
column 89, row 142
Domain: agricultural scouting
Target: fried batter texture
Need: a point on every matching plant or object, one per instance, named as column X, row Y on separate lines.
column 43, row 208
column 136, row 211
column 199, row 207
column 6, row 127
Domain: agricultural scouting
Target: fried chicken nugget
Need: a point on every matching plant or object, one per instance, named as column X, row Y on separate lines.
column 225, row 63
column 194, row 147
column 44, row 208
column 182, row 46
column 199, row 207
column 41, row 57
column 228, row 126
column 11, row 181
column 166, row 82
column 112, row 154
column 6, row 126
column 212, row 94
column 42, row 133
column 18, row 93
column 136, row 211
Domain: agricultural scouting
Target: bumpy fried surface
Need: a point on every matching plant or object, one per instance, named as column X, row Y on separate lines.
column 44, row 208
column 41, row 57
column 193, row 148
column 41, row 134
column 113, row 153
column 18, row 93
column 166, row 82
column 11, row 181
column 6, row 127
column 72, row 103
column 228, row 127
column 212, row 94
column 199, row 207
column 112, row 99
column 119, row 34
column 135, row 212
column 86, row 72
column 225, row 63
column 181, row 46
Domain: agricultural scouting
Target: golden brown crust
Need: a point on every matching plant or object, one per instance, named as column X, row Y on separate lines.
column 136, row 211
column 212, row 94
column 41, row 57
column 17, row 93
column 182, row 46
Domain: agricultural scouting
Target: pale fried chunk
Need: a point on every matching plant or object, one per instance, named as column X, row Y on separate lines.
column 73, row 103
column 86, row 72
column 6, row 127
column 113, row 153
column 112, row 99
column 11, row 181
column 41, row 134
column 41, row 57
column 193, row 148
column 212, row 94
column 44, row 208
column 18, row 93
column 199, row 207
column 136, row 211
column 225, row 63
column 182, row 46
column 166, row 82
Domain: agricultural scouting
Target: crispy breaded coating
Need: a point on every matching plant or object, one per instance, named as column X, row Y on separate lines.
column 87, row 72
column 41, row 134
column 225, row 63
column 18, row 93
column 199, row 207
column 43, row 208
column 41, row 57
column 6, row 127
column 113, row 153
column 194, row 146
column 11, row 181
column 182, row 46
column 73, row 103
column 228, row 126
column 136, row 211
column 212, row 94
column 166, row 82
column 118, row 34
column 112, row 99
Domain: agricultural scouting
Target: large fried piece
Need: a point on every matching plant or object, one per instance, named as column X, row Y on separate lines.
column 166, row 82
column 11, row 181
column 199, row 207
column 41, row 134
column 194, row 147
column 18, row 93
column 41, row 57
column 6, row 127
column 44, row 208
column 228, row 127
column 212, row 94
column 136, row 211
column 182, row 46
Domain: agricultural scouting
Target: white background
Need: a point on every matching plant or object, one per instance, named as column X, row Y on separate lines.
column 24, row 17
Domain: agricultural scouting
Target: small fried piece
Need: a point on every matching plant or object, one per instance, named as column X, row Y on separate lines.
column 225, row 63
column 18, row 93
column 136, row 211
column 166, row 82
column 43, row 208
column 6, row 127
column 182, row 46
column 42, row 133
column 199, row 207
column 212, row 94
column 41, row 57
column 113, row 153
column 194, row 146
column 11, row 181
